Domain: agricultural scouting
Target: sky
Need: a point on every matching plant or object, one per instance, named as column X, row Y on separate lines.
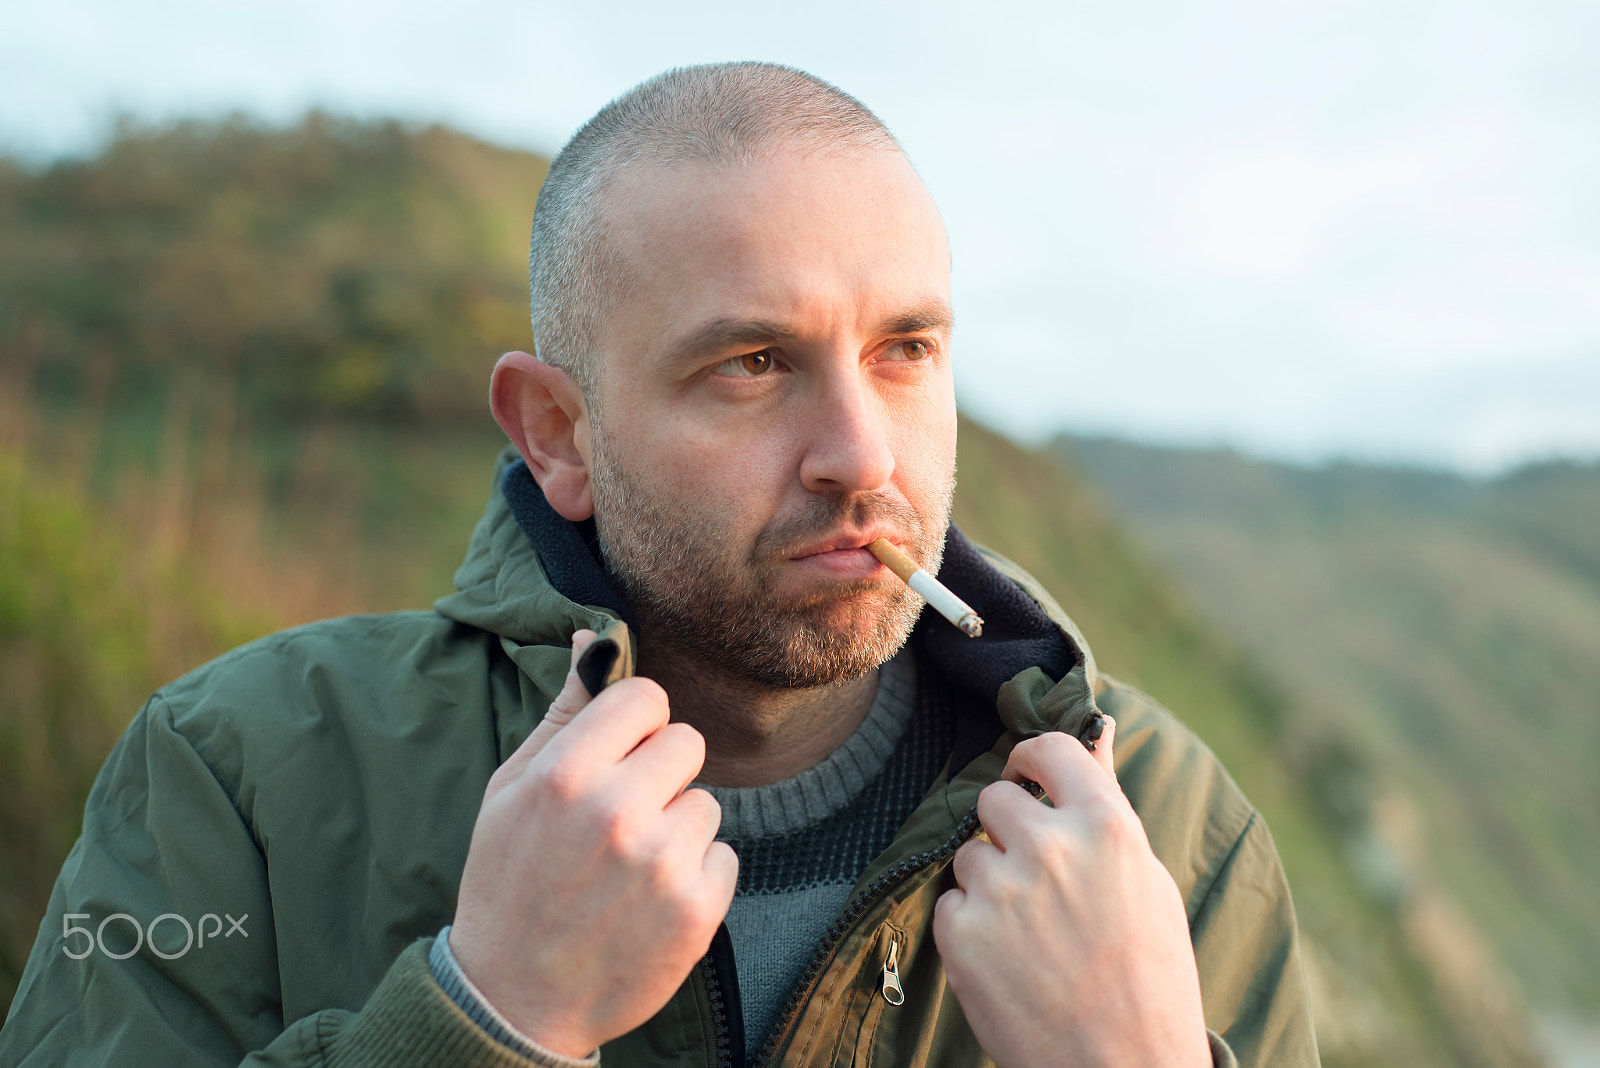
column 1307, row 230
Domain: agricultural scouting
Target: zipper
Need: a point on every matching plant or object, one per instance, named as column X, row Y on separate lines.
column 727, row 1029
column 870, row 896
column 891, row 975
column 722, row 1054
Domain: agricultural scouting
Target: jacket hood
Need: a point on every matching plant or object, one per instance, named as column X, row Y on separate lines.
column 533, row 578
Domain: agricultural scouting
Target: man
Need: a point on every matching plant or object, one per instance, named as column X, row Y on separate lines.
column 445, row 850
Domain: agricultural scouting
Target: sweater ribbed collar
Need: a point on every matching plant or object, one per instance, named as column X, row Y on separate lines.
column 831, row 785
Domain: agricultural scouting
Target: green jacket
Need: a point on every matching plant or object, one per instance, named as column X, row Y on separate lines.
column 304, row 803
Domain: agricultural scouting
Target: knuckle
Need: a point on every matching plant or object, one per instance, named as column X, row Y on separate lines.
column 623, row 838
column 647, row 692
column 686, row 896
column 685, row 738
column 723, row 865
column 659, row 873
column 1025, row 748
column 701, row 807
column 1115, row 822
column 994, row 790
column 1055, row 745
column 563, row 708
column 968, row 853
column 1041, row 743
column 563, row 782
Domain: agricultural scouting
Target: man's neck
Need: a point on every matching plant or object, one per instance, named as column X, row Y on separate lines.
column 756, row 735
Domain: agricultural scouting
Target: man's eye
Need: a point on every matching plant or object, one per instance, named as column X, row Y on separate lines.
column 908, row 350
column 749, row 365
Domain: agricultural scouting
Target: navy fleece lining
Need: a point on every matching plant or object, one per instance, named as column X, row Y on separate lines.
column 569, row 552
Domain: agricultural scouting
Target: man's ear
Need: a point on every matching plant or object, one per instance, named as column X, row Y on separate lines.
column 543, row 412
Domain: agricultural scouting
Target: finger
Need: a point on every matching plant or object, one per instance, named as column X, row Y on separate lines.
column 698, row 816
column 663, row 764
column 971, row 860
column 1010, row 813
column 1059, row 763
column 572, row 697
column 721, row 866
column 613, row 724
column 945, row 909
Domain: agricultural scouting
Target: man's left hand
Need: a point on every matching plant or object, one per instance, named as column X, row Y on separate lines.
column 1066, row 940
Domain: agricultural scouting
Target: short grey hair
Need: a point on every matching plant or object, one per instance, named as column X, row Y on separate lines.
column 717, row 115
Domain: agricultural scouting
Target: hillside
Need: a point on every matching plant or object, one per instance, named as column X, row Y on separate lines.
column 247, row 365
column 328, row 268
column 1454, row 624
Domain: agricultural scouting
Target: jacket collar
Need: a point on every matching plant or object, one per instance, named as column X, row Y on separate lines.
column 533, row 578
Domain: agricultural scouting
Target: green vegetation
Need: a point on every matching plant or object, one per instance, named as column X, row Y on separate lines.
column 331, row 268
column 245, row 372
column 89, row 626
column 1397, row 978
column 1453, row 625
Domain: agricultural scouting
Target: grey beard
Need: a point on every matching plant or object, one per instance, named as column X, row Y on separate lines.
column 675, row 574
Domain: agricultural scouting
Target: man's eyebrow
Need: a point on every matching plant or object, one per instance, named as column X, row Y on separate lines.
column 726, row 333
column 933, row 315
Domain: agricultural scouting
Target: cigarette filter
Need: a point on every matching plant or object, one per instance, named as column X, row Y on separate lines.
column 929, row 588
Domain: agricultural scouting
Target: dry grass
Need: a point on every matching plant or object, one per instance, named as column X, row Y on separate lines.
column 112, row 582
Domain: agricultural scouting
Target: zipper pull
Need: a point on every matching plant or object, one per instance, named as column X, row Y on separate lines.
column 891, row 975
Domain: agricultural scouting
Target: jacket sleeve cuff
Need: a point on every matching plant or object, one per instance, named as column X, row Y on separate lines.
column 1221, row 1055
column 410, row 1020
column 448, row 974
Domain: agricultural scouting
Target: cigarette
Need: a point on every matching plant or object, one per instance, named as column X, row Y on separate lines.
column 929, row 588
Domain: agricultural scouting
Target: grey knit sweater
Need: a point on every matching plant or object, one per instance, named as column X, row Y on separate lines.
column 803, row 842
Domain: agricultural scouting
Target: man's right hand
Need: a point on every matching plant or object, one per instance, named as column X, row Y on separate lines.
column 594, row 882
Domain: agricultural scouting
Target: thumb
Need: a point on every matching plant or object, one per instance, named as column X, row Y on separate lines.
column 1100, row 748
column 573, row 696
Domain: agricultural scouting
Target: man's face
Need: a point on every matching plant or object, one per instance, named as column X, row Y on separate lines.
column 774, row 391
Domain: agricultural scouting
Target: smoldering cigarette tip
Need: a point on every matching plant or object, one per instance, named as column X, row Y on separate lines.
column 930, row 589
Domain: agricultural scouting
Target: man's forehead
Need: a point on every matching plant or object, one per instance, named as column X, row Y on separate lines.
column 652, row 196
column 785, row 246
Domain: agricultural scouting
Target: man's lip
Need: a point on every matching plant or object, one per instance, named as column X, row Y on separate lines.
column 845, row 541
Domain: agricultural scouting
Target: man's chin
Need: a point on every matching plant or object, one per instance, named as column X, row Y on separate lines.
column 827, row 645
column 809, row 665
column 782, row 640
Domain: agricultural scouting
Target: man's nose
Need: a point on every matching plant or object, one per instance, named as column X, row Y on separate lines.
column 848, row 449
